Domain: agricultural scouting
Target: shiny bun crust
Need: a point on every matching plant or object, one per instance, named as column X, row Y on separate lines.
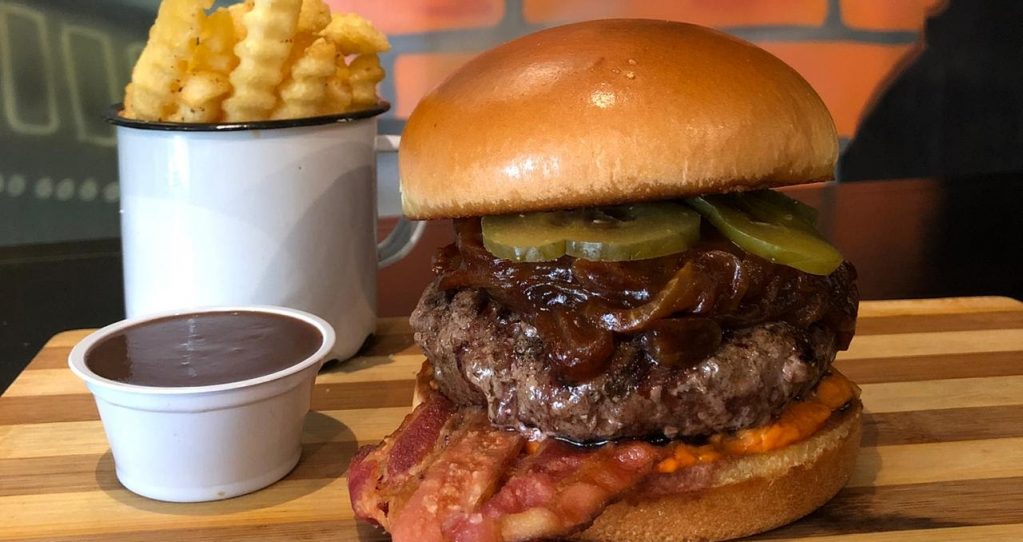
column 756, row 493
column 611, row 111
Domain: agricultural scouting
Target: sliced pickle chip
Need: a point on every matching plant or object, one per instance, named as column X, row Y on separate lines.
column 532, row 237
column 633, row 232
column 627, row 232
column 777, row 208
column 786, row 241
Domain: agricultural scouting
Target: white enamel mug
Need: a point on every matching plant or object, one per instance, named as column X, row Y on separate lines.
column 261, row 213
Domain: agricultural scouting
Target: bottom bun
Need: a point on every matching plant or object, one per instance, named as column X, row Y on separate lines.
column 753, row 494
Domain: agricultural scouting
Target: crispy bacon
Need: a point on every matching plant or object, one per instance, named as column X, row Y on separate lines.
column 413, row 443
column 378, row 474
column 558, row 491
column 363, row 475
column 474, row 483
column 466, row 473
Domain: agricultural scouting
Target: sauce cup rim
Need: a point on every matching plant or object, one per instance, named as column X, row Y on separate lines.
column 78, row 366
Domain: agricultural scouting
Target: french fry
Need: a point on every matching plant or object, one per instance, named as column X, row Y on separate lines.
column 160, row 67
column 200, row 97
column 206, row 82
column 237, row 12
column 339, row 91
column 254, row 60
column 304, row 94
column 313, row 17
column 270, row 29
column 215, row 51
column 366, row 72
column 128, row 107
column 354, row 35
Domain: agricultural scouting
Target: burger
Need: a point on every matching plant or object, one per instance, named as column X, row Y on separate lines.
column 632, row 336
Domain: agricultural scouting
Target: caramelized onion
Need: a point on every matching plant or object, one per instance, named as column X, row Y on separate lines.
column 681, row 342
column 677, row 306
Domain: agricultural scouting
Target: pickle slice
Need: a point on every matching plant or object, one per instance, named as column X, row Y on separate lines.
column 777, row 208
column 787, row 244
column 532, row 237
column 627, row 232
column 633, row 232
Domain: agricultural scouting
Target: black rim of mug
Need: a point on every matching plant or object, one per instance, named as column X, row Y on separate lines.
column 114, row 117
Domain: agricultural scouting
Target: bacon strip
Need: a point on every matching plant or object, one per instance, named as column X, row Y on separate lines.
column 560, row 490
column 468, row 471
column 450, row 475
column 378, row 473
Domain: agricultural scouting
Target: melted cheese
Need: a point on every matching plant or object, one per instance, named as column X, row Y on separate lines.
column 798, row 422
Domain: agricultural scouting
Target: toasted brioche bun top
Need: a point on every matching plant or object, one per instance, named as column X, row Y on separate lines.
column 611, row 111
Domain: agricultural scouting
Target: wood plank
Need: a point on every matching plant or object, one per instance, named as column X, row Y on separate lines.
column 383, row 394
column 86, row 472
column 935, row 366
column 21, row 410
column 986, row 533
column 67, row 339
column 922, row 344
column 942, row 455
column 44, row 408
column 308, row 531
column 327, row 459
column 945, row 425
column 911, row 507
column 46, row 382
column 402, row 366
column 391, row 325
column 39, row 440
column 880, row 428
column 940, row 509
column 383, row 345
column 55, row 439
column 938, row 394
column 920, row 323
column 938, row 462
column 94, row 512
column 1008, row 341
column 49, row 382
column 900, row 316
column 944, row 305
column 50, row 357
column 88, row 512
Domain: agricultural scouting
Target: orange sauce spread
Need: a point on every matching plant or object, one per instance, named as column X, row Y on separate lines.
column 797, row 422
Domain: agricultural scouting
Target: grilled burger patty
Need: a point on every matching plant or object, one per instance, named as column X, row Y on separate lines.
column 485, row 354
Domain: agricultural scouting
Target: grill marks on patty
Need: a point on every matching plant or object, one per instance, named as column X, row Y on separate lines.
column 485, row 354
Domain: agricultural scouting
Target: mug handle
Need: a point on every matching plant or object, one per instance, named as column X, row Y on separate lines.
column 403, row 238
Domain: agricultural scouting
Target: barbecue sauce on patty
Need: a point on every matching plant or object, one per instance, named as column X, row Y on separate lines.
column 679, row 305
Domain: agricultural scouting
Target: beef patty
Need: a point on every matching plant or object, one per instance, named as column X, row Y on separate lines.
column 485, row 354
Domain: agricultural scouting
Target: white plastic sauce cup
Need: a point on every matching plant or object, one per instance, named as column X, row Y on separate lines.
column 203, row 443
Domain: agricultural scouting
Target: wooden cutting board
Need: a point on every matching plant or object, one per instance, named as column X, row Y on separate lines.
column 942, row 455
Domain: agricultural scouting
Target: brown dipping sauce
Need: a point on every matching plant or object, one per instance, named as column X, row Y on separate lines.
column 204, row 349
